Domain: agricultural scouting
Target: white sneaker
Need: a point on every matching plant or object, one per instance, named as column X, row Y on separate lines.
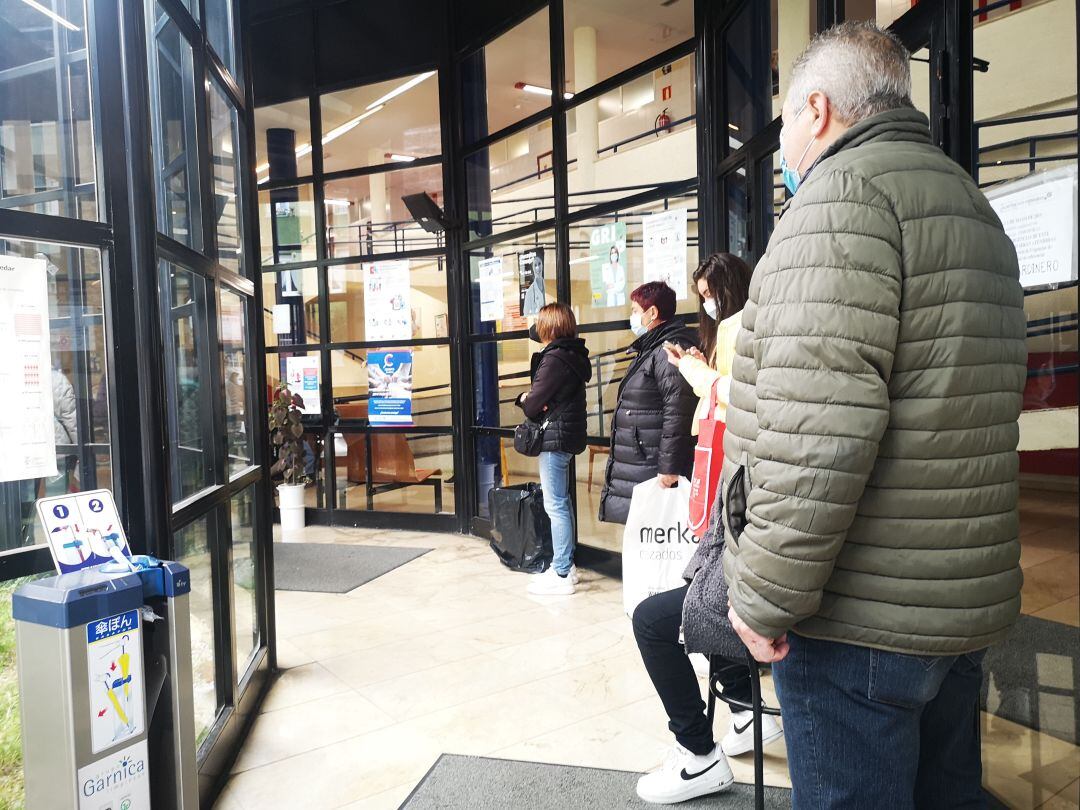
column 573, row 574
column 551, row 584
column 740, row 739
column 685, row 776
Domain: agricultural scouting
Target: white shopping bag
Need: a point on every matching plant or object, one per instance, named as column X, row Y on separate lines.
column 657, row 542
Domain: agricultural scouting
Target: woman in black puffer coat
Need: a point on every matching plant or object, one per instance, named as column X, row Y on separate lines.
column 559, row 373
column 650, row 431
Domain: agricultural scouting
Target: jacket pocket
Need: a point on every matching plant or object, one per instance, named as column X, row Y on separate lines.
column 639, row 445
column 907, row 681
column 735, row 501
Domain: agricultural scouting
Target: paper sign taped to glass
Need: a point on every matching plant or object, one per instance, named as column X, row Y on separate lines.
column 607, row 265
column 390, row 387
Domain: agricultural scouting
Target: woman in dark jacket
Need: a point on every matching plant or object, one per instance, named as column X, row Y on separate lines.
column 650, row 430
column 559, row 373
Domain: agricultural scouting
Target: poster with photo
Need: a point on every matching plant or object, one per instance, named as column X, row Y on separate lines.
column 302, row 377
column 390, row 387
column 491, row 289
column 531, row 281
column 607, row 265
column 387, row 314
column 664, row 238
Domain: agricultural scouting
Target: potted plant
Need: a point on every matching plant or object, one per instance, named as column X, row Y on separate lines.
column 287, row 443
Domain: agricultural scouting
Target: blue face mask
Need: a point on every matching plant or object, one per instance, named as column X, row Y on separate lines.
column 792, row 177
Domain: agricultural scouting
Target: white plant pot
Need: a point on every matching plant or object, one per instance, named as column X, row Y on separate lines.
column 291, row 507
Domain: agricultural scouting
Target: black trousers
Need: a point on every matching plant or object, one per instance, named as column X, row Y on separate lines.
column 657, row 621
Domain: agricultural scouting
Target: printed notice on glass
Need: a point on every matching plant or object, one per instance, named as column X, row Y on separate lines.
column 386, row 301
column 282, row 318
column 491, row 290
column 1038, row 213
column 26, row 373
column 664, row 238
column 607, row 265
column 390, row 387
column 302, row 377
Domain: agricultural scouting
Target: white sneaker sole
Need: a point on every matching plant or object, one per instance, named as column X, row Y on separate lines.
column 745, row 744
column 690, row 791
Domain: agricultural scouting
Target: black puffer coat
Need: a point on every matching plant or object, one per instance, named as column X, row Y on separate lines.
column 559, row 373
column 650, row 431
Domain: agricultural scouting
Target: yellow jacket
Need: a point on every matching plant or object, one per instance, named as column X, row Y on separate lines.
column 702, row 375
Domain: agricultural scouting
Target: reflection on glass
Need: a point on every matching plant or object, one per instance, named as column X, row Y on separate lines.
column 287, row 225
column 396, row 121
column 365, row 215
column 225, row 146
column 634, row 137
column 245, row 607
column 429, row 403
column 192, row 544
column 46, row 132
column 607, row 351
column 173, row 100
column 511, row 278
column 508, row 79
column 738, row 215
column 408, row 472
column 183, row 296
column 283, row 132
column 291, row 307
column 351, row 308
column 504, row 367
column 510, row 182
column 590, row 466
column 220, row 31
column 748, row 74
column 80, row 387
column 233, row 329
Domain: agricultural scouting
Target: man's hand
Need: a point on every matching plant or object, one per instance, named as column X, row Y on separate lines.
column 765, row 650
column 667, row 481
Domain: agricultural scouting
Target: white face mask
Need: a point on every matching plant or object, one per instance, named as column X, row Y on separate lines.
column 636, row 326
column 710, row 308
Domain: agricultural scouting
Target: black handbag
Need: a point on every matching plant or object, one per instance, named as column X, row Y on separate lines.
column 529, row 435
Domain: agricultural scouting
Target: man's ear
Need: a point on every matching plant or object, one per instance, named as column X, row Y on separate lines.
column 818, row 103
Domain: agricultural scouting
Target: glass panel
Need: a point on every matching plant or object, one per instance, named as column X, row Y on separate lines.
column 500, row 465
column 608, row 257
column 365, row 215
column 79, row 381
column 748, row 74
column 192, row 545
column 513, row 286
column 607, row 350
column 510, row 183
column 425, row 384
column 173, row 100
column 244, row 592
column 409, row 472
column 188, row 380
column 590, row 466
column 225, row 143
column 633, row 137
column 220, row 30
column 283, row 137
column 424, row 300
column 390, row 122
column 508, row 79
column 738, row 215
column 287, row 225
column 233, row 330
column 602, row 39
column 291, row 305
column 46, row 130
column 503, row 367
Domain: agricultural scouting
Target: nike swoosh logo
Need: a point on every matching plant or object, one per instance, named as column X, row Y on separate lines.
column 744, row 728
column 689, row 776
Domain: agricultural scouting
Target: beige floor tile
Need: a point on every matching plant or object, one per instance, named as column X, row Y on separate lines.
column 387, row 800
column 304, row 621
column 289, row 655
column 564, row 651
column 1052, row 582
column 1024, row 768
column 389, row 661
column 604, row 685
column 302, row 684
column 1066, row 612
column 287, row 732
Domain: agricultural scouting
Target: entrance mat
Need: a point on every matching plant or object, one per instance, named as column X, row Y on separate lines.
column 333, row 568
column 1033, row 678
column 480, row 783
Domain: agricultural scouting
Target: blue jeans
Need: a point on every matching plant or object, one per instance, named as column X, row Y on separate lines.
column 868, row 728
column 555, row 480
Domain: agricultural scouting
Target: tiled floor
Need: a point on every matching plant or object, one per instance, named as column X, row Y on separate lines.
column 448, row 654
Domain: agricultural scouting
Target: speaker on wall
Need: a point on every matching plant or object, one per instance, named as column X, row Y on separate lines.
column 426, row 212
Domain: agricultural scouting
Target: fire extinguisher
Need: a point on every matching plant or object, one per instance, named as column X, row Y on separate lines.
column 662, row 122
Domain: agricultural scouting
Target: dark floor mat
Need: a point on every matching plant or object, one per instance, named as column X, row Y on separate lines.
column 333, row 568
column 1033, row 678
column 481, row 783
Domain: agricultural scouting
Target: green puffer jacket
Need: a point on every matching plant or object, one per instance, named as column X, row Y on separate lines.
column 876, row 389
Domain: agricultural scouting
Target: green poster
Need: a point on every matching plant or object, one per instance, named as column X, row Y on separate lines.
column 607, row 265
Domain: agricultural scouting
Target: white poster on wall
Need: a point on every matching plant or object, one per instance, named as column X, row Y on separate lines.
column 664, row 238
column 387, row 315
column 26, row 373
column 491, row 290
column 302, row 377
column 1038, row 213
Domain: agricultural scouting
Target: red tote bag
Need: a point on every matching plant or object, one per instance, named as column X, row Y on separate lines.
column 708, row 462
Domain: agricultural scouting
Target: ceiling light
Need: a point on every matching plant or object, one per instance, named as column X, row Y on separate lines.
column 397, row 91
column 338, row 131
column 262, row 167
column 537, row 90
column 733, row 127
column 400, row 158
column 68, row 24
column 337, row 203
column 303, row 150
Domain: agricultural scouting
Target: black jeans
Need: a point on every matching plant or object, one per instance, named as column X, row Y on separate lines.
column 657, row 621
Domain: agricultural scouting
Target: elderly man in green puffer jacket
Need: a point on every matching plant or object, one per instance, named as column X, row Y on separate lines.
column 870, row 453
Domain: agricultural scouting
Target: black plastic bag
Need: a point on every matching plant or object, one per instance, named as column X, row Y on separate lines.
column 520, row 527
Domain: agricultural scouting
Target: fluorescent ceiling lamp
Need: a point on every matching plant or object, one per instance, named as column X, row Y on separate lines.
column 733, row 127
column 303, row 150
column 537, row 90
column 337, row 203
column 48, row 12
column 401, row 158
column 403, row 88
column 338, row 131
column 262, row 167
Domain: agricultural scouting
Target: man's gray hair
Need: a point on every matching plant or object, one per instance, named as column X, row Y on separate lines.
column 862, row 69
